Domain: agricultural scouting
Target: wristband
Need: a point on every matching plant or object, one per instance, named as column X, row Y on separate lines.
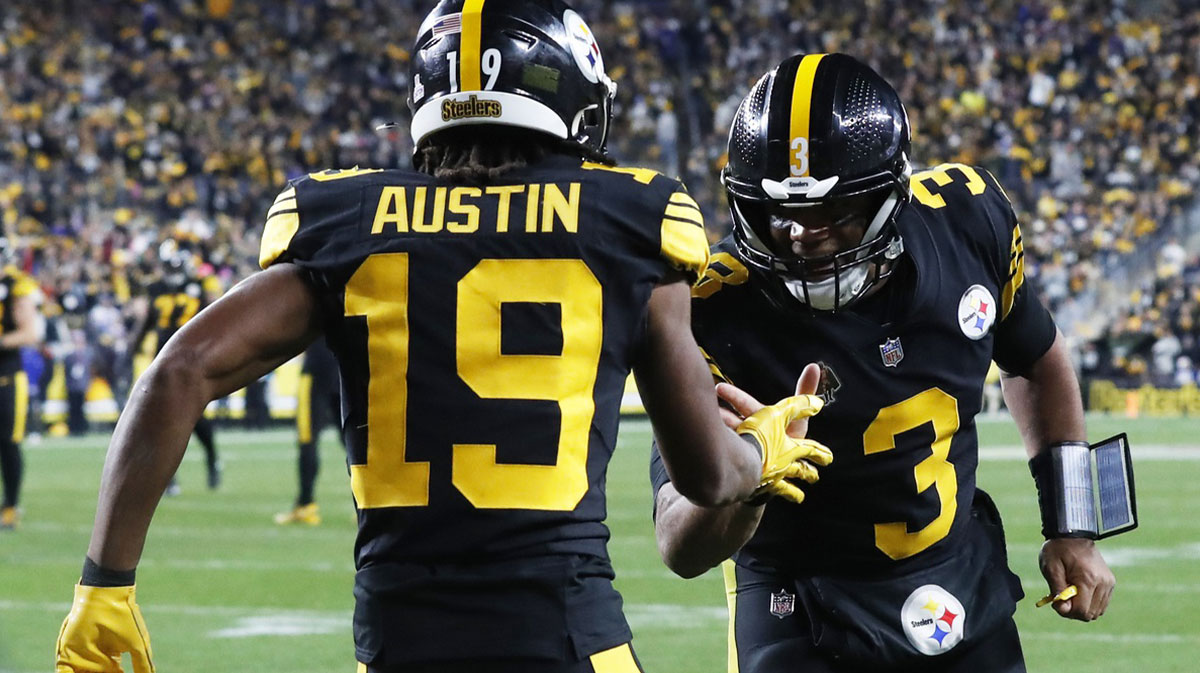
column 96, row 576
column 1085, row 491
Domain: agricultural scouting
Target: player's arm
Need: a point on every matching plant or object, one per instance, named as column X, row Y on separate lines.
column 1046, row 404
column 28, row 323
column 265, row 321
column 691, row 539
column 262, row 323
column 708, row 462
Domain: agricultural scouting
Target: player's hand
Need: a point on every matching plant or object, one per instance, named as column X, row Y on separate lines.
column 1066, row 561
column 786, row 454
column 742, row 404
column 104, row 623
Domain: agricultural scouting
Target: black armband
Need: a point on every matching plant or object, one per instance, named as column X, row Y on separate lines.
column 1085, row 491
column 96, row 576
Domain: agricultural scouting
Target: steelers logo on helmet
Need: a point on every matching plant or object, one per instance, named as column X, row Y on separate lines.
column 584, row 47
column 933, row 620
column 819, row 146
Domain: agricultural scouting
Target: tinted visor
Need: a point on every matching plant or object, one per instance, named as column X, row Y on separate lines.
column 856, row 210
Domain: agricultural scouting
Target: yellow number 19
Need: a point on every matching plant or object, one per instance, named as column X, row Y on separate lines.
column 379, row 291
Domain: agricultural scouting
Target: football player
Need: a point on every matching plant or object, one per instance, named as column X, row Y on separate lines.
column 170, row 302
column 485, row 310
column 318, row 404
column 891, row 293
column 20, row 325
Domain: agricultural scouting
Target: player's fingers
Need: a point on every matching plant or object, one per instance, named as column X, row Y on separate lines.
column 809, row 379
column 787, row 491
column 817, row 452
column 1101, row 596
column 1081, row 605
column 731, row 420
column 741, row 401
column 802, row 470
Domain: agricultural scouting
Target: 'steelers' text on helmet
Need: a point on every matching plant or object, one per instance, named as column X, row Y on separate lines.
column 817, row 129
column 533, row 64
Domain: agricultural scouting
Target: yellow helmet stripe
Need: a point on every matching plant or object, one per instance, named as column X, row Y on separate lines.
column 471, row 72
column 801, row 104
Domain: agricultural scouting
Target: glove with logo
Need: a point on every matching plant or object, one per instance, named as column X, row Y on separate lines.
column 104, row 623
column 785, row 457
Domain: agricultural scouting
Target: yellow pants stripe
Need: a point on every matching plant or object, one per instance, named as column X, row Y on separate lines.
column 802, row 105
column 21, row 396
column 471, row 72
column 616, row 660
column 304, row 409
column 729, row 572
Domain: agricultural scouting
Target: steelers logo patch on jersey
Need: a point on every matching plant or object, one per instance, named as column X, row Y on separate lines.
column 976, row 312
column 933, row 620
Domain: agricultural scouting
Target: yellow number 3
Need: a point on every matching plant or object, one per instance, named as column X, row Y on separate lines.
column 379, row 290
column 939, row 408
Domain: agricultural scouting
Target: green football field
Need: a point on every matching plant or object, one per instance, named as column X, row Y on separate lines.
column 225, row 589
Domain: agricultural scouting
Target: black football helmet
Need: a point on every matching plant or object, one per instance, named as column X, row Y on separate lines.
column 820, row 131
column 534, row 64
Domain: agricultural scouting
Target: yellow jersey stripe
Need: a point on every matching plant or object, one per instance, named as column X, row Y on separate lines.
column 684, row 199
column 616, row 660
column 728, row 572
column 685, row 245
column 801, row 105
column 286, row 194
column 280, row 206
column 1016, row 273
column 276, row 238
column 718, row 375
column 471, row 71
column 685, row 213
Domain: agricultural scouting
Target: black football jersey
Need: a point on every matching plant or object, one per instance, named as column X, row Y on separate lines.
column 14, row 284
column 903, row 373
column 484, row 335
column 172, row 305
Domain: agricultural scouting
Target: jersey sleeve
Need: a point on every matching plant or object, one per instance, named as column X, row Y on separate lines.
column 658, row 477
column 283, row 221
column 684, row 243
column 1025, row 329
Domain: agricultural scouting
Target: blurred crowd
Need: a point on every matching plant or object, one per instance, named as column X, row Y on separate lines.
column 129, row 128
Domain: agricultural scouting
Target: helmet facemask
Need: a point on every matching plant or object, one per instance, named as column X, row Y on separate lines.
column 830, row 280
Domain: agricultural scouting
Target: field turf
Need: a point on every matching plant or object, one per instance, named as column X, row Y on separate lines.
column 224, row 589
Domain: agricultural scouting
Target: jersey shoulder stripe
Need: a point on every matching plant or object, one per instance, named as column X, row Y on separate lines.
column 283, row 221
column 684, row 241
column 1016, row 272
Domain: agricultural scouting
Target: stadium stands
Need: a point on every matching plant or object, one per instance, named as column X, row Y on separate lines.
column 126, row 125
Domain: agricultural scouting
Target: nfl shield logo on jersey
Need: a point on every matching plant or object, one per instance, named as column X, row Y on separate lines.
column 892, row 352
column 783, row 603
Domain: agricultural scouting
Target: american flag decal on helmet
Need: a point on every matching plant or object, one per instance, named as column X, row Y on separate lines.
column 451, row 24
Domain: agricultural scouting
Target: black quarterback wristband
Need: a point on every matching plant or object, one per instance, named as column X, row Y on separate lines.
column 96, row 576
column 1064, row 490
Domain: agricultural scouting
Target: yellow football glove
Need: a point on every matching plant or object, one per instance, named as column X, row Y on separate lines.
column 786, row 457
column 104, row 622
